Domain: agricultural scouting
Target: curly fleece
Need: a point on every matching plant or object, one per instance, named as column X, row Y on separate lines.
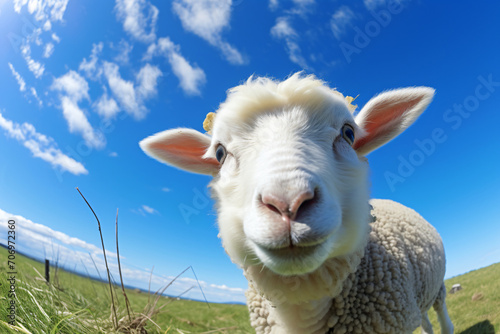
column 386, row 290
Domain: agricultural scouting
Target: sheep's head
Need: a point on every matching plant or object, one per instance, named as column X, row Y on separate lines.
column 290, row 177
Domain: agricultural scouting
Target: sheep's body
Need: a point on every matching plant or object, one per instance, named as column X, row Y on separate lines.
column 292, row 194
column 396, row 282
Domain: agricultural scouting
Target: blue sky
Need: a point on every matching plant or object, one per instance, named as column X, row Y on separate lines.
column 82, row 83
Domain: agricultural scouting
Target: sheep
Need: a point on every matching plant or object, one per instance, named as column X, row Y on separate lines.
column 290, row 183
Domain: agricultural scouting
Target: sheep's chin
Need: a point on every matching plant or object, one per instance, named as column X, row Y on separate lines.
column 291, row 261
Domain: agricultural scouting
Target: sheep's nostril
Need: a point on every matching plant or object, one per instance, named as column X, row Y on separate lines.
column 275, row 203
column 289, row 208
column 273, row 208
column 302, row 202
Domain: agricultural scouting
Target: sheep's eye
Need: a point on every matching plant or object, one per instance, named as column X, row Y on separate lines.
column 348, row 134
column 220, row 153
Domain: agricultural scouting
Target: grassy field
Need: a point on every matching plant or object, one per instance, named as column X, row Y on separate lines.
column 74, row 304
column 478, row 315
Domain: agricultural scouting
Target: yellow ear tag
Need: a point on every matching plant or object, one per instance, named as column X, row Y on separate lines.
column 349, row 100
column 208, row 123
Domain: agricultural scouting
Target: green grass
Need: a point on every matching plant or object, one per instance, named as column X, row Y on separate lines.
column 473, row 317
column 74, row 304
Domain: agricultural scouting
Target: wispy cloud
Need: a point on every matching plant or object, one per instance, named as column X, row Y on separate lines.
column 72, row 89
column 302, row 7
column 131, row 97
column 41, row 146
column 106, row 106
column 48, row 50
column 19, row 78
column 34, row 66
column 373, row 4
column 41, row 232
column 341, row 19
column 139, row 18
column 147, row 80
column 149, row 209
column 273, row 4
column 46, row 12
column 35, row 95
column 208, row 19
column 124, row 48
column 123, row 90
column 191, row 77
column 43, row 10
column 55, row 38
column 145, row 210
column 89, row 67
column 284, row 31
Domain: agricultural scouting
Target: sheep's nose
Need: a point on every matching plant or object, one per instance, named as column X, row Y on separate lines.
column 288, row 208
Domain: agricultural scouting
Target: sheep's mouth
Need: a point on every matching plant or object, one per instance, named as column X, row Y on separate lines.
column 292, row 251
column 292, row 260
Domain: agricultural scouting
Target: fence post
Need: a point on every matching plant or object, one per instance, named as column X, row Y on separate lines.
column 47, row 270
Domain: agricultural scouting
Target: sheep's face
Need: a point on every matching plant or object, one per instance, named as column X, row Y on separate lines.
column 290, row 177
column 291, row 190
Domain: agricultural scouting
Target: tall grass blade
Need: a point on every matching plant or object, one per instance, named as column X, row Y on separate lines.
column 105, row 260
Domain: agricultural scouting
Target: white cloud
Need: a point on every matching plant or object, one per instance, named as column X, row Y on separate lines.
column 147, row 81
column 124, row 48
column 42, row 236
column 131, row 97
column 149, row 209
column 89, row 67
column 73, row 88
column 107, row 107
column 113, row 154
column 73, row 85
column 35, row 95
column 43, row 9
column 19, row 78
column 284, row 31
column 144, row 210
column 55, row 37
column 78, row 122
column 373, row 4
column 46, row 12
column 341, row 19
column 49, row 49
column 273, row 4
column 34, row 66
column 165, row 189
column 208, row 19
column 47, row 25
column 302, row 7
column 41, row 146
column 191, row 77
column 139, row 18
column 123, row 90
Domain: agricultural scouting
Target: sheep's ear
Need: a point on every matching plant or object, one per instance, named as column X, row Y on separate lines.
column 182, row 148
column 388, row 114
